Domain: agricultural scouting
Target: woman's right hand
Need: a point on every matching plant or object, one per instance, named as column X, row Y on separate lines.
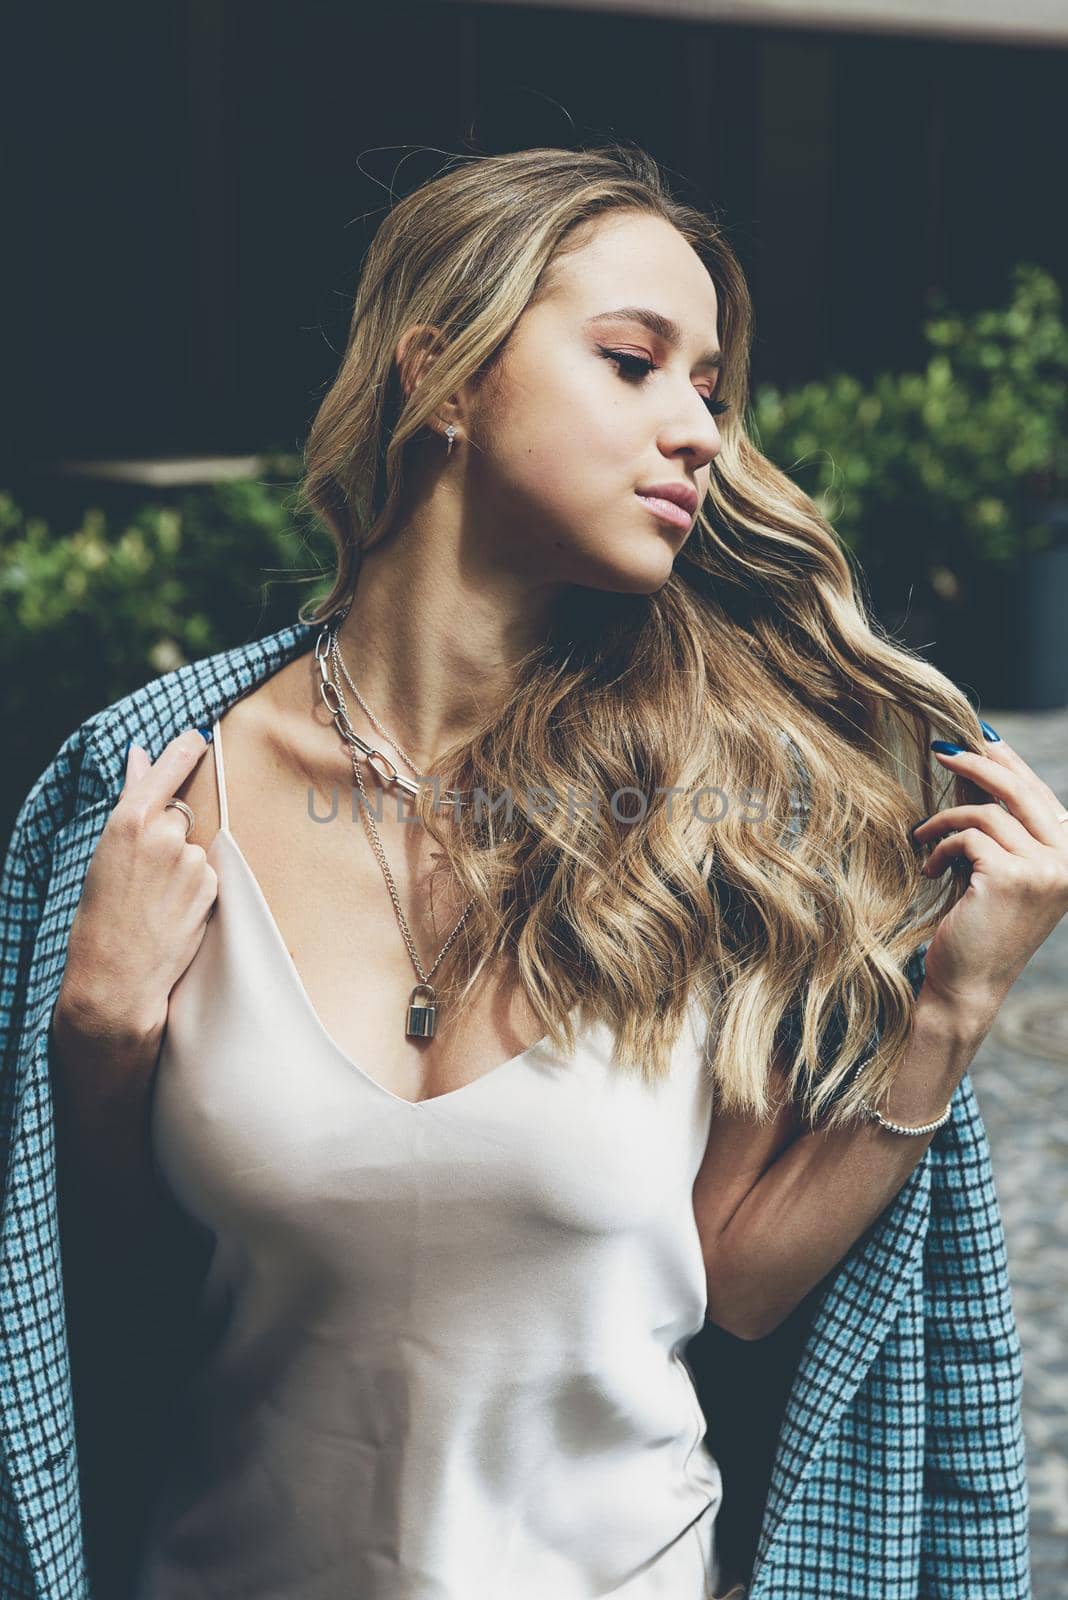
column 145, row 904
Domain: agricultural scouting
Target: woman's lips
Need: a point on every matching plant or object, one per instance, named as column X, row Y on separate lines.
column 667, row 509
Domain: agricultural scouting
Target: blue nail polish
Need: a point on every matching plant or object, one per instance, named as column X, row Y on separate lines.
column 990, row 733
column 129, row 746
column 946, row 748
column 206, row 732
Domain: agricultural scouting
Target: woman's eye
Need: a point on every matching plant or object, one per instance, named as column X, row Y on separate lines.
column 634, row 367
column 628, row 366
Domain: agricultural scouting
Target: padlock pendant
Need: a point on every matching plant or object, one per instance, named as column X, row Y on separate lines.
column 422, row 1014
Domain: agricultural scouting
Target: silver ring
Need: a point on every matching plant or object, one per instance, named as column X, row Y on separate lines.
column 180, row 805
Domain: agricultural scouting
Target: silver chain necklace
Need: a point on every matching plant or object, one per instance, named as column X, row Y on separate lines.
column 339, row 661
column 421, row 1018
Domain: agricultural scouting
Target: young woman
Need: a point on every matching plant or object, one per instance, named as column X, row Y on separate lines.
column 478, row 1111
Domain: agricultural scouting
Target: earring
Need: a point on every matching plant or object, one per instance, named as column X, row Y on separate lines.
column 450, row 434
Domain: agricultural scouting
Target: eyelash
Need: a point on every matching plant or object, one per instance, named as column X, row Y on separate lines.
column 716, row 408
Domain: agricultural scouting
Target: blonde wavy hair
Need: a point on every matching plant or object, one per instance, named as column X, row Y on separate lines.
column 755, row 668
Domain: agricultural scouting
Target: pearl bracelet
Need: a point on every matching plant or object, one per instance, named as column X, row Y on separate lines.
column 896, row 1127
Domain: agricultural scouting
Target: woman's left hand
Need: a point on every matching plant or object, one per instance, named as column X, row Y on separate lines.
column 1018, row 891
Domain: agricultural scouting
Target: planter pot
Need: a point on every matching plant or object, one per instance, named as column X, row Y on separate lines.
column 1010, row 646
column 1043, row 610
column 1005, row 639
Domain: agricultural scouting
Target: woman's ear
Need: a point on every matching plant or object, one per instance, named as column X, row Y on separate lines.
column 415, row 354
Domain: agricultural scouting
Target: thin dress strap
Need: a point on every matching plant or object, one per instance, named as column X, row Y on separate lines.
column 220, row 778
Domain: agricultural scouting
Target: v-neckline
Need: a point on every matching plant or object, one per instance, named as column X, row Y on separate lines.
column 299, row 987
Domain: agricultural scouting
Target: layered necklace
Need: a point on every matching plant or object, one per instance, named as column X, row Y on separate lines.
column 421, row 1017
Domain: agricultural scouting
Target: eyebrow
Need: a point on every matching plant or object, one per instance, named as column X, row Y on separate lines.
column 657, row 323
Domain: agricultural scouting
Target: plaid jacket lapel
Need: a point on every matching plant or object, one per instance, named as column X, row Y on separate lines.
column 36, row 1418
column 848, row 1328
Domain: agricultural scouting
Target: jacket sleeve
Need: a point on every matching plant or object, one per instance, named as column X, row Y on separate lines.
column 24, row 1247
column 974, row 1538
column 113, row 1332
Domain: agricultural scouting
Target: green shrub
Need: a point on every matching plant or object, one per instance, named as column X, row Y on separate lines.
column 91, row 612
column 924, row 474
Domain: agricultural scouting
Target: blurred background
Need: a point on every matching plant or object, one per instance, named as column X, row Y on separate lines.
column 189, row 190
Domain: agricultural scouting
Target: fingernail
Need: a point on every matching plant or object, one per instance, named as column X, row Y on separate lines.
column 921, row 822
column 129, row 747
column 206, row 733
column 990, row 733
column 947, row 749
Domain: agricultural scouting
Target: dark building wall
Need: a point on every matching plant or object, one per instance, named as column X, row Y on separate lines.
column 191, row 185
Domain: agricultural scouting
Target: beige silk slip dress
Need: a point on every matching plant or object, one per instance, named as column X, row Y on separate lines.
column 445, row 1338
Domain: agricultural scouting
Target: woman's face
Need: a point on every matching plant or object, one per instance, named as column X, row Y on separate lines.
column 567, row 435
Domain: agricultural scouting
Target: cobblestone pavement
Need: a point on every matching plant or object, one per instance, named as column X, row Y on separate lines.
column 1020, row 1077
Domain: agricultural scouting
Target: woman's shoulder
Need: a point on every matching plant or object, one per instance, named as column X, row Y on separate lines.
column 197, row 692
column 89, row 766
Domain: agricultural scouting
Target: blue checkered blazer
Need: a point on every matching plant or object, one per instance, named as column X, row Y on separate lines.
column 898, row 1466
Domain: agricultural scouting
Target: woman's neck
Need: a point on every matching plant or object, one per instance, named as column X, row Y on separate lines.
column 433, row 646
